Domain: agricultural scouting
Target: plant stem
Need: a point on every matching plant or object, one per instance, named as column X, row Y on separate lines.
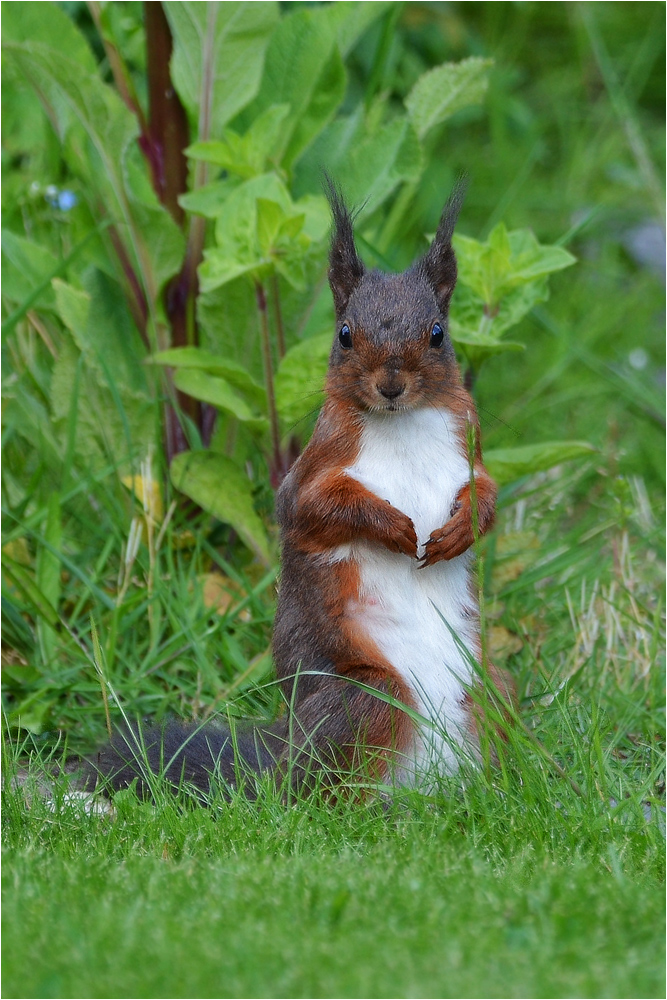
column 168, row 133
column 280, row 329
column 136, row 300
column 119, row 70
column 260, row 296
column 382, row 53
column 163, row 143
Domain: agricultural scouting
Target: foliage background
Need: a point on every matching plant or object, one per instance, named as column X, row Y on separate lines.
column 568, row 140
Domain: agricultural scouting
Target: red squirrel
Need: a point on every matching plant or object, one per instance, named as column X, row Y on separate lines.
column 377, row 605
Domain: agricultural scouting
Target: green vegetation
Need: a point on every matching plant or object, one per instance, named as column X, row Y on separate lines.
column 129, row 511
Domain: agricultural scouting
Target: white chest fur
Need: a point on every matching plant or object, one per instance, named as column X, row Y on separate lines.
column 419, row 618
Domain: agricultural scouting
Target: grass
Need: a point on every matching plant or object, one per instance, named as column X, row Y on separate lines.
column 518, row 887
column 506, row 883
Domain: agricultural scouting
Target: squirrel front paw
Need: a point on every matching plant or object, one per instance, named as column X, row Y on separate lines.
column 446, row 543
column 401, row 535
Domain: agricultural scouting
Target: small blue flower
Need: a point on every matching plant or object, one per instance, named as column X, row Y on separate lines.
column 63, row 200
column 66, row 200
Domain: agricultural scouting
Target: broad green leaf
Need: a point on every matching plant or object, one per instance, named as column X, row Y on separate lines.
column 349, row 19
column 163, row 238
column 73, row 306
column 122, row 420
column 368, row 162
column 49, row 25
column 299, row 382
column 196, row 357
column 229, row 322
column 32, row 714
column 505, row 262
column 508, row 464
column 218, row 392
column 473, row 322
column 441, row 92
column 245, row 155
column 209, row 199
column 26, row 266
column 19, row 577
column 104, row 331
column 70, row 95
column 218, row 56
column 215, row 483
column 259, row 228
column 478, row 349
column 317, row 216
column 303, row 69
column 96, row 129
column 111, row 429
column 42, row 291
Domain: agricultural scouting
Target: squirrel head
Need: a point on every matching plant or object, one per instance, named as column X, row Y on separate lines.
column 392, row 349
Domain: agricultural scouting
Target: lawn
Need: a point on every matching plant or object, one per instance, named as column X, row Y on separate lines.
column 127, row 582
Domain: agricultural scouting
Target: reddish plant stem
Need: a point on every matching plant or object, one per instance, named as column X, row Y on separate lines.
column 119, row 70
column 136, row 299
column 168, row 133
column 163, row 144
column 280, row 329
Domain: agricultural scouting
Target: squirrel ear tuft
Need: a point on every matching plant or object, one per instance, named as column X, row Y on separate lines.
column 345, row 266
column 439, row 264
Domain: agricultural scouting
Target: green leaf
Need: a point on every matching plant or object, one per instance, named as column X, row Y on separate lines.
column 299, row 381
column 163, row 238
column 17, row 633
column 42, row 290
column 500, row 281
column 305, row 70
column 71, row 96
column 115, row 416
column 27, row 266
column 48, row 564
column 217, row 485
column 508, row 464
column 96, row 129
column 48, row 574
column 478, row 349
column 218, row 392
column 349, row 19
column 259, row 228
column 49, row 25
column 472, row 322
column 218, row 56
column 20, row 578
column 196, row 357
column 369, row 161
column 104, row 331
column 441, row 92
column 245, row 155
column 32, row 714
column 209, row 199
column 505, row 262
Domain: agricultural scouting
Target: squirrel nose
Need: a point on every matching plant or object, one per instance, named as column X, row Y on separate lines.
column 391, row 392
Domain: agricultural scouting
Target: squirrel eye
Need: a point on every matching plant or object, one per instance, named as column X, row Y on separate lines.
column 437, row 335
column 345, row 337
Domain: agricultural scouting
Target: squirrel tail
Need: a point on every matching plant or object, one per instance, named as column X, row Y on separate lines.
column 199, row 757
